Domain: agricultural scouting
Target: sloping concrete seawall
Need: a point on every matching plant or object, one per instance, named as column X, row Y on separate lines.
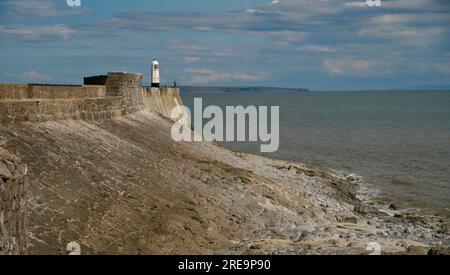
column 162, row 100
column 121, row 95
column 124, row 186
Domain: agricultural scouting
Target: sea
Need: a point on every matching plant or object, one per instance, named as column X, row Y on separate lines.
column 398, row 141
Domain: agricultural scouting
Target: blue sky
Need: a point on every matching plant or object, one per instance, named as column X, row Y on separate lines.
column 317, row 44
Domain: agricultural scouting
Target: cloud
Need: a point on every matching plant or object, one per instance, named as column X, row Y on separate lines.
column 389, row 33
column 406, row 36
column 249, row 20
column 406, row 29
column 204, row 76
column 289, row 21
column 297, row 40
column 356, row 4
column 262, row 12
column 192, row 53
column 185, row 48
column 30, row 7
column 39, row 8
column 400, row 19
column 191, row 59
column 350, row 67
column 286, row 36
column 394, row 4
column 405, row 4
column 36, row 76
column 317, row 49
column 443, row 68
column 55, row 31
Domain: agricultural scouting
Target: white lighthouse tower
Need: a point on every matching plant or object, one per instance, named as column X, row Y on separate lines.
column 155, row 74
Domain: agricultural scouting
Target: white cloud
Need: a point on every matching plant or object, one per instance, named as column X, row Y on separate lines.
column 350, row 67
column 407, row 3
column 442, row 68
column 286, row 36
column 406, row 36
column 36, row 76
column 31, row 7
column 184, row 47
column 204, row 76
column 39, row 8
column 317, row 49
column 391, row 3
column 191, row 59
column 356, row 4
column 255, row 11
column 55, row 31
column 405, row 18
column 203, row 29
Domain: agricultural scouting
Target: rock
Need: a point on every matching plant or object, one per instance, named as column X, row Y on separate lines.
column 7, row 154
column 352, row 178
column 393, row 207
column 439, row 251
column 351, row 220
column 21, row 170
column 360, row 209
column 4, row 171
column 255, row 246
column 417, row 250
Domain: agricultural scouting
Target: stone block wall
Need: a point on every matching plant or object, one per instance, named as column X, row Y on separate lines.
column 37, row 103
column 128, row 86
column 39, row 91
column 61, row 109
column 58, row 91
column 13, row 202
column 13, row 91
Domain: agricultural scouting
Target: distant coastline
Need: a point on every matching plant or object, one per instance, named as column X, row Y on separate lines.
column 194, row 89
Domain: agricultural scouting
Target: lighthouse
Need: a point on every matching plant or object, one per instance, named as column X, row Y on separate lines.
column 155, row 73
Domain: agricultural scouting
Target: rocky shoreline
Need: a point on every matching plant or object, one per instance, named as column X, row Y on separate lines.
column 355, row 217
column 123, row 186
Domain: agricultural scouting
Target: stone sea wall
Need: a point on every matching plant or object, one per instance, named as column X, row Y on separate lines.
column 14, row 91
column 38, row 91
column 13, row 201
column 121, row 95
column 62, row 109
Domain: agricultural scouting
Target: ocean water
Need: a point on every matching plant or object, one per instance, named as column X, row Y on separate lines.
column 399, row 141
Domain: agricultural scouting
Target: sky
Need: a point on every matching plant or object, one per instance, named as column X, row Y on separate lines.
column 315, row 44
